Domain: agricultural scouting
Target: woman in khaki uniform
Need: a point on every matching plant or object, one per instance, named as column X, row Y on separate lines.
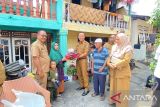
column 120, row 70
column 2, row 76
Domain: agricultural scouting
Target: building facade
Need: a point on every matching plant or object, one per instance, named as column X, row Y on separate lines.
column 84, row 16
column 141, row 36
column 19, row 22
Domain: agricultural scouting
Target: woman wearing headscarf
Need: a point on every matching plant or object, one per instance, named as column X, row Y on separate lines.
column 56, row 56
column 120, row 72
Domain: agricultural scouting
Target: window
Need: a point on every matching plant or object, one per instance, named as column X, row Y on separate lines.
column 76, row 1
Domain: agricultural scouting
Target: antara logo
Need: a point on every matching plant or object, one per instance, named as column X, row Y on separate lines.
column 116, row 97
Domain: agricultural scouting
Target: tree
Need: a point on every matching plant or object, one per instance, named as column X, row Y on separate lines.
column 155, row 21
column 155, row 18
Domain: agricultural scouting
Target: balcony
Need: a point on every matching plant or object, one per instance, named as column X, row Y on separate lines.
column 44, row 9
column 92, row 17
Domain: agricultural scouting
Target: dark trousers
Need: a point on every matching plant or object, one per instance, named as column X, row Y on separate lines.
column 99, row 83
column 156, row 93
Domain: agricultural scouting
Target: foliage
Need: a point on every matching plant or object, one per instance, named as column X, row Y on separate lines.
column 155, row 21
column 155, row 18
column 71, row 70
column 157, row 42
column 152, row 65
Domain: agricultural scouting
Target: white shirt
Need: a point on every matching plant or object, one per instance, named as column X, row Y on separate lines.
column 157, row 57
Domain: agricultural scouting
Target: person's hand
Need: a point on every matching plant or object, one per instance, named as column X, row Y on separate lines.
column 64, row 59
column 40, row 73
column 53, row 80
column 92, row 70
column 101, row 69
column 112, row 66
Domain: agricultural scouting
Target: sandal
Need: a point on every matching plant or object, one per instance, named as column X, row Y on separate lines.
column 94, row 95
column 102, row 98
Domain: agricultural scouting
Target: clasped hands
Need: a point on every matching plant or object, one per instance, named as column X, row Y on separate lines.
column 112, row 66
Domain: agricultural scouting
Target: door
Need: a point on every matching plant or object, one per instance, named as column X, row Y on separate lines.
column 5, row 50
column 21, row 50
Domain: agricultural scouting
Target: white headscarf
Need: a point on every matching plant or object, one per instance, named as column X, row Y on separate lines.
column 118, row 51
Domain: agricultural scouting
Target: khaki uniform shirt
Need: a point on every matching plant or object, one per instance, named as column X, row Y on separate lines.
column 123, row 68
column 108, row 46
column 2, row 76
column 82, row 48
column 39, row 49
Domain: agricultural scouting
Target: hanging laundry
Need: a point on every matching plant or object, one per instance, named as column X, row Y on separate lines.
column 93, row 1
column 106, row 5
column 112, row 7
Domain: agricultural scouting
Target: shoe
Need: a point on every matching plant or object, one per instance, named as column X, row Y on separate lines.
column 85, row 93
column 94, row 95
column 102, row 98
column 80, row 88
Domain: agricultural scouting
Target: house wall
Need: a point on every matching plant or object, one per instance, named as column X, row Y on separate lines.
column 24, row 23
column 73, row 37
column 122, row 11
column 137, row 30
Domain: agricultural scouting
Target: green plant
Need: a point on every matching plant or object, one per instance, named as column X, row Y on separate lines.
column 152, row 65
column 71, row 70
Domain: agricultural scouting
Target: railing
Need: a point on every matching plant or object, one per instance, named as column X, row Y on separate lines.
column 87, row 15
column 31, row 8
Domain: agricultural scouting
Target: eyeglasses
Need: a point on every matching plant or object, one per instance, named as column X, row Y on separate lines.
column 44, row 35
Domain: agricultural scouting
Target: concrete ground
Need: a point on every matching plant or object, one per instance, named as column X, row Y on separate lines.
column 73, row 98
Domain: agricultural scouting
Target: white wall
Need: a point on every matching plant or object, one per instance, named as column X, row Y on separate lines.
column 139, row 54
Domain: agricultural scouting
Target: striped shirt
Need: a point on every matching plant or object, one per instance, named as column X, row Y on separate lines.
column 99, row 60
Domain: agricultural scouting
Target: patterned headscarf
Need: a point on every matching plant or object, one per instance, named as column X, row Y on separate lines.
column 118, row 51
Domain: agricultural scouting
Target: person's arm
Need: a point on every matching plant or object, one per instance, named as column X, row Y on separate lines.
column 85, row 51
column 125, row 61
column 36, row 61
column 92, row 66
column 2, row 73
column 37, row 64
column 105, row 62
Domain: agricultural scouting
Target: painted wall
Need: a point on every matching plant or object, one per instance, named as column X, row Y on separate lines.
column 22, row 23
column 73, row 37
column 136, row 30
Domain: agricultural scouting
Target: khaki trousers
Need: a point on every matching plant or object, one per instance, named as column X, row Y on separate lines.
column 82, row 73
column 42, row 81
column 119, row 86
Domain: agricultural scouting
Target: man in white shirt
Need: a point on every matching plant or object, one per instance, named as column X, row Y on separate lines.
column 156, row 88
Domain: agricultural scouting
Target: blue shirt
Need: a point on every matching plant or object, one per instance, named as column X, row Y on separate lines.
column 99, row 60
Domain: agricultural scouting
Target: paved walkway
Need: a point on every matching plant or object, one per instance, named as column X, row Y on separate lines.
column 73, row 98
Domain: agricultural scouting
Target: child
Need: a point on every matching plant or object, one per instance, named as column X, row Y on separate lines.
column 53, row 83
column 90, row 59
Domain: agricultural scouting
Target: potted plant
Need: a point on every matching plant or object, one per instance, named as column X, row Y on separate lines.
column 150, row 79
column 72, row 71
